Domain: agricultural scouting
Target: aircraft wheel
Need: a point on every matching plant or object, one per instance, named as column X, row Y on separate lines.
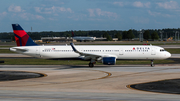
column 91, row 65
column 152, row 64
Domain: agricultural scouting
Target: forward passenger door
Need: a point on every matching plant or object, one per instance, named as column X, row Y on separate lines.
column 121, row 52
column 153, row 51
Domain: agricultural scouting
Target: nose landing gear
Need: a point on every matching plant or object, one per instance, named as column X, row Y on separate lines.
column 152, row 64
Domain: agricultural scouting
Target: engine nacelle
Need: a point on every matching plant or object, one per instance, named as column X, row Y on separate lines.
column 109, row 60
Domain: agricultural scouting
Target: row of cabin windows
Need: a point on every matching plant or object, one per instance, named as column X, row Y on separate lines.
column 58, row 50
column 161, row 50
column 101, row 50
column 80, row 50
column 136, row 50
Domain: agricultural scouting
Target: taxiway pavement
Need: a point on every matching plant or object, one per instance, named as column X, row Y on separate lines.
column 79, row 83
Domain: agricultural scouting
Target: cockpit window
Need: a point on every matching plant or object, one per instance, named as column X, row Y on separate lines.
column 162, row 50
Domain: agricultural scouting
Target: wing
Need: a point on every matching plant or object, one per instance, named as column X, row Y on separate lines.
column 91, row 55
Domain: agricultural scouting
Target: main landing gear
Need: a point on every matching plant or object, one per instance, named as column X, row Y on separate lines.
column 92, row 62
column 91, row 65
column 152, row 64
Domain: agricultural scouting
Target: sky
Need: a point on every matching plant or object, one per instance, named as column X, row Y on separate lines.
column 67, row 15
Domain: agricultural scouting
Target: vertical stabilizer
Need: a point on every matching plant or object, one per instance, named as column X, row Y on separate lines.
column 21, row 37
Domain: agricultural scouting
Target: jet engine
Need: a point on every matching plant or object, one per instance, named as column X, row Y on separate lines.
column 109, row 60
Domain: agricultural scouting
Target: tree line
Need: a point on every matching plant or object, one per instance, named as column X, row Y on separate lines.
column 149, row 34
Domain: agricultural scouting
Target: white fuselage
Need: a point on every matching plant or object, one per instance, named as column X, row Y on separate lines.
column 120, row 51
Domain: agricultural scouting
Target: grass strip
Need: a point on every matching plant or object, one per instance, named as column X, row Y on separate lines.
column 5, row 51
column 76, row 62
column 173, row 50
column 6, row 46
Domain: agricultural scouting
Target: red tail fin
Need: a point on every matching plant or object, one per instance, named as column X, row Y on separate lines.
column 21, row 37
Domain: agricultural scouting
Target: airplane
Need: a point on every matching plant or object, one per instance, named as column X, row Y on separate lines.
column 82, row 38
column 106, row 54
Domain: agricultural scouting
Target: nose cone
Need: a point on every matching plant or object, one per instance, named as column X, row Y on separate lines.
column 168, row 55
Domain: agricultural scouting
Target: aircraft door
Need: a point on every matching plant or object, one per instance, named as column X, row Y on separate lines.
column 81, row 50
column 38, row 51
column 153, row 51
column 121, row 52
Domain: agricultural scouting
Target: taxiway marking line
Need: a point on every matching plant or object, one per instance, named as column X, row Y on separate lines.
column 129, row 86
column 48, row 83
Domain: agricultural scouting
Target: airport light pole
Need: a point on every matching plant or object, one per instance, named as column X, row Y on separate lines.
column 141, row 35
column 161, row 35
column 176, row 33
column 175, row 37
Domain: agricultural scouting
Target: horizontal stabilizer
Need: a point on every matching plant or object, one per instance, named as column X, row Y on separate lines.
column 18, row 49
